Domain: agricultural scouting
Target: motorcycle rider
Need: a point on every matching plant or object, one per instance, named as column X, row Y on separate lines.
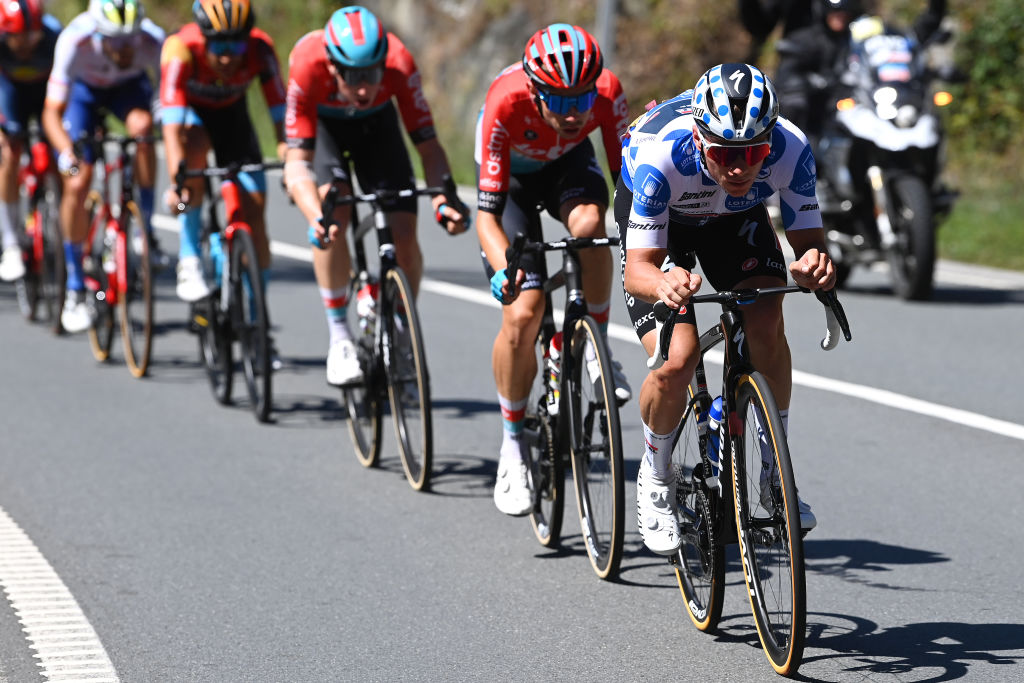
column 812, row 60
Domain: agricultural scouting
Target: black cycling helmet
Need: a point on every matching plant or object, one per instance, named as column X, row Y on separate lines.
column 851, row 7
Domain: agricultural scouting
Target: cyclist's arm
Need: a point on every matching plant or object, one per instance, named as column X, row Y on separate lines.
column 812, row 268
column 51, row 119
column 435, row 167
column 300, row 180
column 644, row 279
column 493, row 240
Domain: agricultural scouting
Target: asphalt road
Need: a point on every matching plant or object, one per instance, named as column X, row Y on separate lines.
column 201, row 546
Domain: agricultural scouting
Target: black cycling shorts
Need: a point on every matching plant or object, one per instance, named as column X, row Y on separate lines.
column 231, row 133
column 374, row 146
column 730, row 248
column 574, row 175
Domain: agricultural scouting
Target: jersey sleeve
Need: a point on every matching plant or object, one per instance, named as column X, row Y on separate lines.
column 300, row 103
column 270, row 76
column 614, row 120
column 407, row 83
column 63, row 57
column 175, row 68
column 494, row 145
column 797, row 200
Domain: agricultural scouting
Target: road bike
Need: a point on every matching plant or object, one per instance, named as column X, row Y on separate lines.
column 236, row 309
column 116, row 261
column 389, row 341
column 758, row 508
column 40, row 292
column 584, row 428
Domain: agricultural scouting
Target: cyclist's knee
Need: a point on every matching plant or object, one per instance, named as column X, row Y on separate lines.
column 521, row 320
column 585, row 220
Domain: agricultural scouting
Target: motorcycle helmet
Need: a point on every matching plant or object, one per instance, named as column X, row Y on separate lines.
column 851, row 7
column 116, row 17
column 354, row 38
column 20, row 16
column 562, row 57
column 735, row 102
column 223, row 19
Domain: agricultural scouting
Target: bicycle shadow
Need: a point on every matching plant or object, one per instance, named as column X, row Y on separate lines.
column 848, row 560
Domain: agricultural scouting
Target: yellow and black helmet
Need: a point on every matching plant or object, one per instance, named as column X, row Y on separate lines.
column 223, row 19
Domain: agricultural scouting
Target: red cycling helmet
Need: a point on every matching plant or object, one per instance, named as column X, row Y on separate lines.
column 19, row 16
column 562, row 57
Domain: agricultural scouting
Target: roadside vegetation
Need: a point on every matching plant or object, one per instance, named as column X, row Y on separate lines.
column 660, row 48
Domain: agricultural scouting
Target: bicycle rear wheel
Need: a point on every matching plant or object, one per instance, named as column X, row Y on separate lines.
column 135, row 301
column 768, row 525
column 98, row 257
column 596, row 447
column 250, row 323
column 700, row 562
column 547, row 462
column 408, row 381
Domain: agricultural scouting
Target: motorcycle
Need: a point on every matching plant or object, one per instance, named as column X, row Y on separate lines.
column 879, row 159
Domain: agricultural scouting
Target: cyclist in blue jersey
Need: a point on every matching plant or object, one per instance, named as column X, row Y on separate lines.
column 696, row 172
column 27, row 40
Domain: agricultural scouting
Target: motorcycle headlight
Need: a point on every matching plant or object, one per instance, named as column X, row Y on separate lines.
column 885, row 103
column 906, row 116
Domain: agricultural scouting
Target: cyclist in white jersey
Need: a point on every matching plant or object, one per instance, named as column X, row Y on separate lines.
column 696, row 171
column 103, row 62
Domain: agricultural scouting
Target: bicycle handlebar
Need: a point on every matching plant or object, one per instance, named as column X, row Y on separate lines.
column 665, row 318
column 519, row 245
column 231, row 170
column 334, row 199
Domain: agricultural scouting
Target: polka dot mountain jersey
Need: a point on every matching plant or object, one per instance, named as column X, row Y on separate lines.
column 662, row 167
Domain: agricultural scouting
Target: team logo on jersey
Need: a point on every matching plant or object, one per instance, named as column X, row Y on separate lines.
column 530, row 134
column 650, row 191
column 805, row 173
column 749, row 264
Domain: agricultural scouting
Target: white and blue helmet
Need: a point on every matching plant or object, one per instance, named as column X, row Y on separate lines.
column 735, row 102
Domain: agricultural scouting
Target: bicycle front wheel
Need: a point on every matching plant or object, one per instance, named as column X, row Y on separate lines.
column 596, row 447
column 250, row 323
column 135, row 301
column 364, row 403
column 100, row 256
column 54, row 274
column 768, row 525
column 405, row 362
column 700, row 562
column 547, row 461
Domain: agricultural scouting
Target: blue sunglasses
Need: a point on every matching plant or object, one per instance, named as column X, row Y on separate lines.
column 230, row 48
column 563, row 104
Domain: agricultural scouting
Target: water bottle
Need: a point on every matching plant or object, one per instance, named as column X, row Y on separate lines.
column 553, row 369
column 109, row 242
column 714, row 421
column 366, row 305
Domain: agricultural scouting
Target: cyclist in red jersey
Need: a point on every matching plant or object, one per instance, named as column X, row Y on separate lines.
column 205, row 70
column 532, row 149
column 340, row 116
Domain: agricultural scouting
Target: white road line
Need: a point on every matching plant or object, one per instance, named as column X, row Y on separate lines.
column 883, row 397
column 64, row 641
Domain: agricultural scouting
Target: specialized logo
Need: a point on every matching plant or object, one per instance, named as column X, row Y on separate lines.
column 651, row 192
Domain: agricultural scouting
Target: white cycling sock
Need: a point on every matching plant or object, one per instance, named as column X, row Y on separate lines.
column 658, row 451
column 8, row 223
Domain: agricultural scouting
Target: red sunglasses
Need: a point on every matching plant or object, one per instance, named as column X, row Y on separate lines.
column 729, row 155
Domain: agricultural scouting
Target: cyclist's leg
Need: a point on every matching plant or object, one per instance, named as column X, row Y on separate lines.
column 663, row 398
column 195, row 142
column 14, row 109
column 513, row 355
column 332, row 265
column 726, row 252
column 80, row 116
column 130, row 103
